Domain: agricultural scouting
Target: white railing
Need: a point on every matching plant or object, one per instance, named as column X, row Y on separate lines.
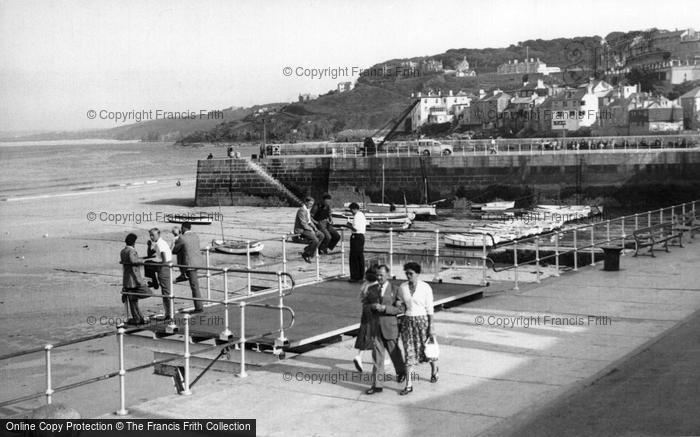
column 121, row 373
column 519, row 146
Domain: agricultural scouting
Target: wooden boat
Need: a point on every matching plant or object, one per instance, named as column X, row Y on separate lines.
column 236, row 247
column 418, row 210
column 379, row 220
column 196, row 218
column 500, row 206
column 567, row 213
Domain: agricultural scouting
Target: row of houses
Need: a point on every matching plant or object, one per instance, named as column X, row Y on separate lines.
column 541, row 108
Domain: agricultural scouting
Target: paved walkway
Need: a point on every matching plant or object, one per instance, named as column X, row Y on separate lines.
column 569, row 331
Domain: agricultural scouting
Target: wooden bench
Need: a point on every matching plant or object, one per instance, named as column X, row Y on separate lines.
column 650, row 236
column 687, row 222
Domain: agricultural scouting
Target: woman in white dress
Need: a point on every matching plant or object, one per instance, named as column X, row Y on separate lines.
column 416, row 324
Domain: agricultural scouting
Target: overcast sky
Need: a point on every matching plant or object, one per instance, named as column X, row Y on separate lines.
column 60, row 59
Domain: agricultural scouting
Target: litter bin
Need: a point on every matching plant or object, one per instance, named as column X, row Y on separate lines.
column 611, row 262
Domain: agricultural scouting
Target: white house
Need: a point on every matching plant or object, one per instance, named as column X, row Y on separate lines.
column 438, row 108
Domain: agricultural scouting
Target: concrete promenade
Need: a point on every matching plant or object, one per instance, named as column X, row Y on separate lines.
column 504, row 358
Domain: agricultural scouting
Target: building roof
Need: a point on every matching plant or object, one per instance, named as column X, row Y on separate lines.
column 692, row 94
column 496, row 97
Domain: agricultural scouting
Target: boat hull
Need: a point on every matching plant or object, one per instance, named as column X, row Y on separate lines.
column 236, row 247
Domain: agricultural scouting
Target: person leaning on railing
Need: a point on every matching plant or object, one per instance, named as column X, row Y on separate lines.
column 132, row 280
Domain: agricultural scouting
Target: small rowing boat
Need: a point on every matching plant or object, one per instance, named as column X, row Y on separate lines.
column 236, row 247
column 418, row 210
column 379, row 220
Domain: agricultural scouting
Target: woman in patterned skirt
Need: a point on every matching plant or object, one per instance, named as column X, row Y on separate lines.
column 365, row 336
column 416, row 324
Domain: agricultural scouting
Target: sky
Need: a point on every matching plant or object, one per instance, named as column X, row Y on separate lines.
column 61, row 59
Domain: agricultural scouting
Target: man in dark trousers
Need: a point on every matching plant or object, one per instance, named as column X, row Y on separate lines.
column 322, row 215
column 382, row 299
column 132, row 280
column 187, row 248
column 305, row 225
column 357, row 243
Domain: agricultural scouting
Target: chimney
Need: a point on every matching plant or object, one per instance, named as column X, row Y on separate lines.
column 450, row 93
column 515, row 61
column 413, row 95
column 420, row 94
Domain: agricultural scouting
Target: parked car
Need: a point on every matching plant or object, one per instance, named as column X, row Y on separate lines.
column 434, row 147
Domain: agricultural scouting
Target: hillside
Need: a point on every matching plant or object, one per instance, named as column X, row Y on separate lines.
column 152, row 130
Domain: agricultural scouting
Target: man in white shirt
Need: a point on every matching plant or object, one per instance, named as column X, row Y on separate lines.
column 357, row 243
column 163, row 255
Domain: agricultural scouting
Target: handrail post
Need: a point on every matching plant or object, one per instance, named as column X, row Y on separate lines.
column 622, row 223
column 243, row 373
column 172, row 327
column 318, row 265
column 661, row 215
column 537, row 259
column 592, row 245
column 575, row 251
column 247, row 252
column 607, row 230
column 391, row 250
column 226, row 333
column 636, row 221
column 122, row 411
column 282, row 338
column 342, row 252
column 683, row 209
column 483, row 259
column 284, row 258
column 186, row 356
column 49, row 390
column 437, row 255
column 648, row 218
column 515, row 265
column 208, row 274
column 556, row 252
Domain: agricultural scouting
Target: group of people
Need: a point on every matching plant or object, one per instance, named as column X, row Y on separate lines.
column 380, row 328
column 315, row 224
column 185, row 247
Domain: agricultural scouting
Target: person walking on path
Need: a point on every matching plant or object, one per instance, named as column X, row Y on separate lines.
column 382, row 298
column 417, row 323
column 364, row 340
column 357, row 243
column 188, row 246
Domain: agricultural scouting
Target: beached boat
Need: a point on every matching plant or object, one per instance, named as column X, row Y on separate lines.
column 567, row 213
column 419, row 210
column 379, row 220
column 499, row 206
column 236, row 247
column 196, row 218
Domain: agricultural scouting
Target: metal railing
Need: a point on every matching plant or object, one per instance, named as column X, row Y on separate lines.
column 585, row 239
column 226, row 335
column 518, row 146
